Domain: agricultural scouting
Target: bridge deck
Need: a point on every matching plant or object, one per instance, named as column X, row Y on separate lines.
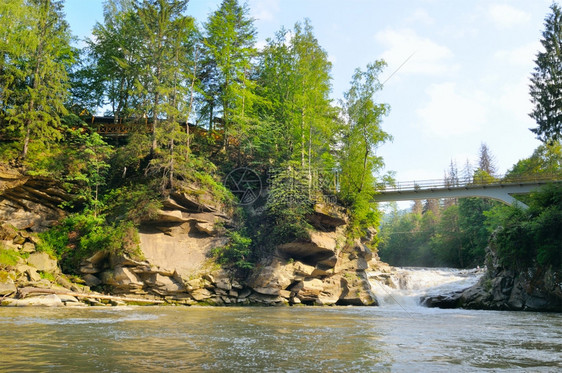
column 501, row 189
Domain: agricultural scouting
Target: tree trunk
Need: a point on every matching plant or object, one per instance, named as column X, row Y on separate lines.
column 191, row 94
column 302, row 139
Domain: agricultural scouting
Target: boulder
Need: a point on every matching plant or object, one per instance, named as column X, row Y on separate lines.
column 331, row 291
column 7, row 288
column 170, row 216
column 28, row 247
column 201, row 294
column 206, row 227
column 121, row 277
column 51, row 300
column 311, row 289
column 7, row 232
column 356, row 291
column 272, row 278
column 43, row 262
column 91, row 280
column 165, row 284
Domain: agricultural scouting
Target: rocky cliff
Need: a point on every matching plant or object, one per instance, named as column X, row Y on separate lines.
column 538, row 288
column 176, row 263
column 29, row 203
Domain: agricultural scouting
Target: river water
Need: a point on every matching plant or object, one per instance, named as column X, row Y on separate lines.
column 399, row 336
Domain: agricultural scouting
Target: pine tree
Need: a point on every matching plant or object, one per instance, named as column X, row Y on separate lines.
column 114, row 58
column 486, row 161
column 37, row 72
column 229, row 42
column 546, row 80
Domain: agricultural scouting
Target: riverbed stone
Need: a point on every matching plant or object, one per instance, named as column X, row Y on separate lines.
column 43, row 262
column 51, row 300
column 201, row 294
column 7, row 288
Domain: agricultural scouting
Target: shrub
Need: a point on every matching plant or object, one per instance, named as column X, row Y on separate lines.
column 81, row 235
column 237, row 252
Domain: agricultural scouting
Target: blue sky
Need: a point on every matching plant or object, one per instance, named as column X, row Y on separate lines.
column 466, row 81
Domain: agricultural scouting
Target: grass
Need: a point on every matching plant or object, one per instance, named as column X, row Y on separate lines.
column 8, row 257
column 47, row 276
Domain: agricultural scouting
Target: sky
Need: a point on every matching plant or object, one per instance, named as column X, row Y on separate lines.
column 457, row 71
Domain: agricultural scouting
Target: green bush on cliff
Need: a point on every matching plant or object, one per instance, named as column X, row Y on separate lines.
column 237, row 252
column 81, row 235
column 534, row 235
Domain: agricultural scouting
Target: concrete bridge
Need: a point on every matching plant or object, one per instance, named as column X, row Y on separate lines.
column 501, row 189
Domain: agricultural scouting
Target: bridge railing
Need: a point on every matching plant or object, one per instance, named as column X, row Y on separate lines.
column 470, row 182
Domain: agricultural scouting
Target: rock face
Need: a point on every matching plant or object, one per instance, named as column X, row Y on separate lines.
column 535, row 289
column 176, row 248
column 176, row 263
column 30, row 202
column 321, row 270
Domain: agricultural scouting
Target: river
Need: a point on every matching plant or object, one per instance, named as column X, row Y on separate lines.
column 399, row 336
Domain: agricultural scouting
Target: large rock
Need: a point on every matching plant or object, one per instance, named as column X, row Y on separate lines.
column 121, row 278
column 320, row 247
column 30, row 202
column 357, row 290
column 43, row 262
column 7, row 288
column 271, row 279
column 51, row 300
column 179, row 249
column 534, row 289
column 327, row 217
column 95, row 264
column 165, row 284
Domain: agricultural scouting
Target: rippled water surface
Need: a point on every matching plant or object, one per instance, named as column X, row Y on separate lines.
column 303, row 339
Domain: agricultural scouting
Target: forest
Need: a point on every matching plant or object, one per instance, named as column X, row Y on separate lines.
column 455, row 233
column 200, row 101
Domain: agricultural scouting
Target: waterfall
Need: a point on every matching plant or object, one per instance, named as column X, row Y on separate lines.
column 404, row 286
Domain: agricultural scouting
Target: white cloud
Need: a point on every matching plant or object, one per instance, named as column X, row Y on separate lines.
column 264, row 10
column 427, row 56
column 450, row 113
column 505, row 16
column 420, row 16
column 523, row 55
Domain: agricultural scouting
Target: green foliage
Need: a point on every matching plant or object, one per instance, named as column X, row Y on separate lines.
column 545, row 85
column 33, row 69
column 47, row 276
column 288, row 203
column 453, row 236
column 8, row 257
column 228, row 51
column 361, row 136
column 237, row 252
column 135, row 203
column 534, row 235
column 81, row 235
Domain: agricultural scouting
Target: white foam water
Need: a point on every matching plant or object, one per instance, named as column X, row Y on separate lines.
column 405, row 286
